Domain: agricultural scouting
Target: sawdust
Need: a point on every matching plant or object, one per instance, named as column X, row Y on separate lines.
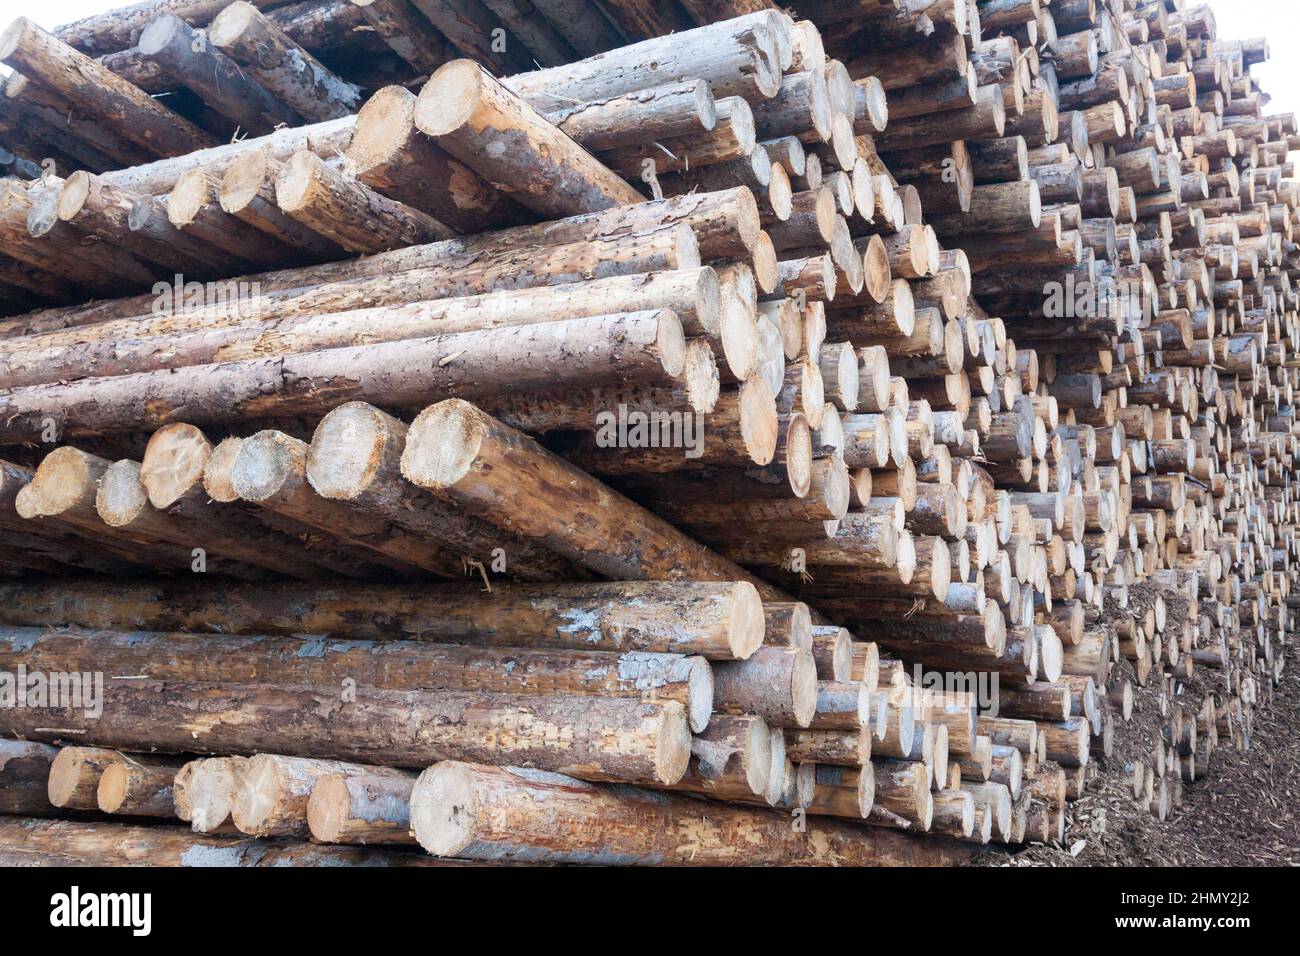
column 1245, row 812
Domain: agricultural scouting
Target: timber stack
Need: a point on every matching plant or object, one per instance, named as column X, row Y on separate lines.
column 813, row 423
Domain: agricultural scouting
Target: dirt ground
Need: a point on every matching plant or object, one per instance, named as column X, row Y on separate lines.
column 1245, row 812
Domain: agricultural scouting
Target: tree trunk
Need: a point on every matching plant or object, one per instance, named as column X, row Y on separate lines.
column 717, row 621
column 606, row 739
column 510, row 144
column 464, row 456
column 280, row 66
column 390, row 155
column 638, row 346
column 490, row 813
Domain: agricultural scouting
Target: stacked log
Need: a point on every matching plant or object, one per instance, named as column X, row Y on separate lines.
column 886, row 399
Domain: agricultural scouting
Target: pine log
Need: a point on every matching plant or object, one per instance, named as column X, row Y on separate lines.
column 489, row 129
column 271, row 799
column 480, row 812
column 632, row 119
column 91, row 203
column 718, row 621
column 386, row 665
column 347, row 212
column 368, row 805
column 26, row 842
column 193, row 207
column 645, row 346
column 247, row 192
column 280, row 66
column 778, row 684
column 623, row 740
column 726, row 225
column 105, row 96
column 462, row 455
column 139, row 786
column 475, row 32
column 735, row 58
column 24, row 776
column 122, row 503
column 407, row 32
column 218, row 80
column 270, row 470
column 389, row 154
column 210, row 793
column 355, row 460
column 74, row 776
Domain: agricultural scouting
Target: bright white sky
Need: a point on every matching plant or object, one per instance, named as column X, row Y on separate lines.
column 1279, row 20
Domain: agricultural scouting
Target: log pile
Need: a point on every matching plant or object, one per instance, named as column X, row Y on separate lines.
column 836, row 419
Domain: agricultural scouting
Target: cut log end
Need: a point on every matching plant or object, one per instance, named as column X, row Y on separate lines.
column 12, row 37
column 61, row 481
column 263, row 465
column 121, row 496
column 444, row 808
column 191, row 194
column 673, row 745
column 450, row 436
column 382, row 127
column 346, row 450
column 746, row 623
column 216, row 472
column 699, row 694
column 174, row 462
column 703, row 384
column 157, row 34
column 798, row 457
column 759, row 423
column 803, row 688
column 244, row 179
column 230, row 23
column 327, row 810
column 300, row 182
column 73, row 195
column 449, row 98
column 112, row 788
column 212, row 790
